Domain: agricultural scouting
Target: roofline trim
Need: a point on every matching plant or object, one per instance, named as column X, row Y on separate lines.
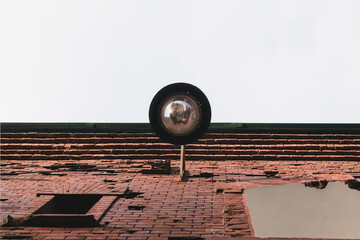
column 321, row 128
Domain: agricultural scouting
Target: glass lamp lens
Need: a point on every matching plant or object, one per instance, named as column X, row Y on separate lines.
column 180, row 114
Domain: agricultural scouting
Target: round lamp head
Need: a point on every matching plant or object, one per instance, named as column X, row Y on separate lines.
column 180, row 113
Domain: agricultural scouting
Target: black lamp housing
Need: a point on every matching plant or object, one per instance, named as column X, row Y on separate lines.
column 180, row 113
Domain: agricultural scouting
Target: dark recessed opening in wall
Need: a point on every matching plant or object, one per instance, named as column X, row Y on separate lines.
column 66, row 210
column 69, row 204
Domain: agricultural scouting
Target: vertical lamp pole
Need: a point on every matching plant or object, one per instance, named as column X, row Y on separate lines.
column 182, row 164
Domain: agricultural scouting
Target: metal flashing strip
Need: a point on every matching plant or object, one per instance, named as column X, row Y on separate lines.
column 315, row 128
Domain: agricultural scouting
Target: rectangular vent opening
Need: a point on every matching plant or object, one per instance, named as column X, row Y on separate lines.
column 69, row 204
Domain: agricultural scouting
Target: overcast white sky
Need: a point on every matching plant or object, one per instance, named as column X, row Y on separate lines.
column 103, row 61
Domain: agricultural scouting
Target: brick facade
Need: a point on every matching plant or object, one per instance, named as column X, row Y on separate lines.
column 210, row 204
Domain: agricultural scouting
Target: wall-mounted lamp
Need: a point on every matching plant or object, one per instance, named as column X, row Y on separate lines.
column 180, row 113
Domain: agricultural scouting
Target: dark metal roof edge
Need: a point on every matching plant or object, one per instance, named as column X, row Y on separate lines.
column 348, row 128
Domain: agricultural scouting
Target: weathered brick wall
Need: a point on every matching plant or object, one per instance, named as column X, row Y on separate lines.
column 205, row 206
column 220, row 147
column 209, row 204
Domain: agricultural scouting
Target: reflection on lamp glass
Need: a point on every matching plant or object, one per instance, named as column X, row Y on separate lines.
column 180, row 114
